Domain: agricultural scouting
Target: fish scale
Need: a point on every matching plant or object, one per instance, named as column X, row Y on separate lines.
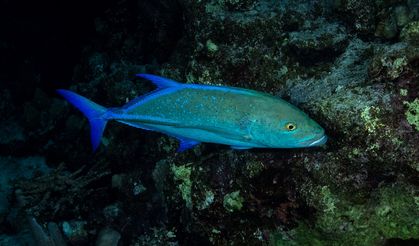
column 194, row 113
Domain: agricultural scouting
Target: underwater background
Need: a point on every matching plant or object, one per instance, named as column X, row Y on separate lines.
column 351, row 65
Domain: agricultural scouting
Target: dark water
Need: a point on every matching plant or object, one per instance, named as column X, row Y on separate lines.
column 352, row 66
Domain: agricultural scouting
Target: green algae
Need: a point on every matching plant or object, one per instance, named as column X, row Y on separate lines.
column 349, row 104
column 391, row 212
column 372, row 123
column 211, row 46
column 410, row 33
column 327, row 199
column 412, row 113
column 394, row 66
column 233, row 201
column 182, row 174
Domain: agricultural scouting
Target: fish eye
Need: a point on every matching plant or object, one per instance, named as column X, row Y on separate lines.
column 290, row 126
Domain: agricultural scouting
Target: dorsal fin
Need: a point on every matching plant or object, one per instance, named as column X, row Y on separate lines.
column 160, row 82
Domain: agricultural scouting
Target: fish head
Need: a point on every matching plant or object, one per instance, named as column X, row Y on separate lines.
column 286, row 126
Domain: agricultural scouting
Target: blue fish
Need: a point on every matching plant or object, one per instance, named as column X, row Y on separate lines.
column 196, row 113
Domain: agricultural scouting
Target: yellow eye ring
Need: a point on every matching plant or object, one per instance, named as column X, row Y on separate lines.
column 290, row 126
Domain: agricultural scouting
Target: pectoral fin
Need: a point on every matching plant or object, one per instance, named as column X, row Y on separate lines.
column 186, row 144
column 230, row 133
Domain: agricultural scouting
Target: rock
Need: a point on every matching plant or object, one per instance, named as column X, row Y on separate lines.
column 319, row 36
column 17, row 168
column 402, row 15
column 6, row 104
column 108, row 237
column 113, row 212
column 358, row 14
column 339, row 61
column 157, row 237
column 239, row 4
column 11, row 132
column 387, row 28
column 410, row 33
column 389, row 210
column 75, row 231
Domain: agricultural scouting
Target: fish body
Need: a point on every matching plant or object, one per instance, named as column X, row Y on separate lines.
column 195, row 113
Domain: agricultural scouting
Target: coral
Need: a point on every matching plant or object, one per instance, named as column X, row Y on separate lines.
column 75, row 231
column 239, row 4
column 138, row 188
column 253, row 168
column 211, row 47
column 387, row 28
column 17, row 169
column 412, row 113
column 182, row 174
column 360, row 14
column 392, row 62
column 233, row 201
column 53, row 192
column 207, row 201
column 391, row 212
column 108, row 237
column 319, row 35
column 328, row 62
column 402, row 15
column 348, row 83
column 341, row 62
column 410, row 33
column 113, row 212
column 157, row 237
column 371, row 123
column 51, row 238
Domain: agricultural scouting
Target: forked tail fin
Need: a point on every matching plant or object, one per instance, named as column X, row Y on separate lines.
column 94, row 113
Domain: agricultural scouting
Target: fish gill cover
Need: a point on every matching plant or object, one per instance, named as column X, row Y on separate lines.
column 352, row 66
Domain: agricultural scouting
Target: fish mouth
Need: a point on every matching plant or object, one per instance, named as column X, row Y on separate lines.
column 321, row 141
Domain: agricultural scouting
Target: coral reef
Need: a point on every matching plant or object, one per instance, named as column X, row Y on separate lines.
column 233, row 201
column 67, row 189
column 183, row 174
column 384, row 215
column 412, row 113
column 410, row 33
column 352, row 65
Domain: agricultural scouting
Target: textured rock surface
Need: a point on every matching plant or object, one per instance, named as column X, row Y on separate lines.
column 344, row 80
column 352, row 65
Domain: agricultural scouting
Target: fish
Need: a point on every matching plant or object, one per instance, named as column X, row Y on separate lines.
column 198, row 113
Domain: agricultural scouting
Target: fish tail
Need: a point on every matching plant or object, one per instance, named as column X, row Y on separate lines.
column 94, row 113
